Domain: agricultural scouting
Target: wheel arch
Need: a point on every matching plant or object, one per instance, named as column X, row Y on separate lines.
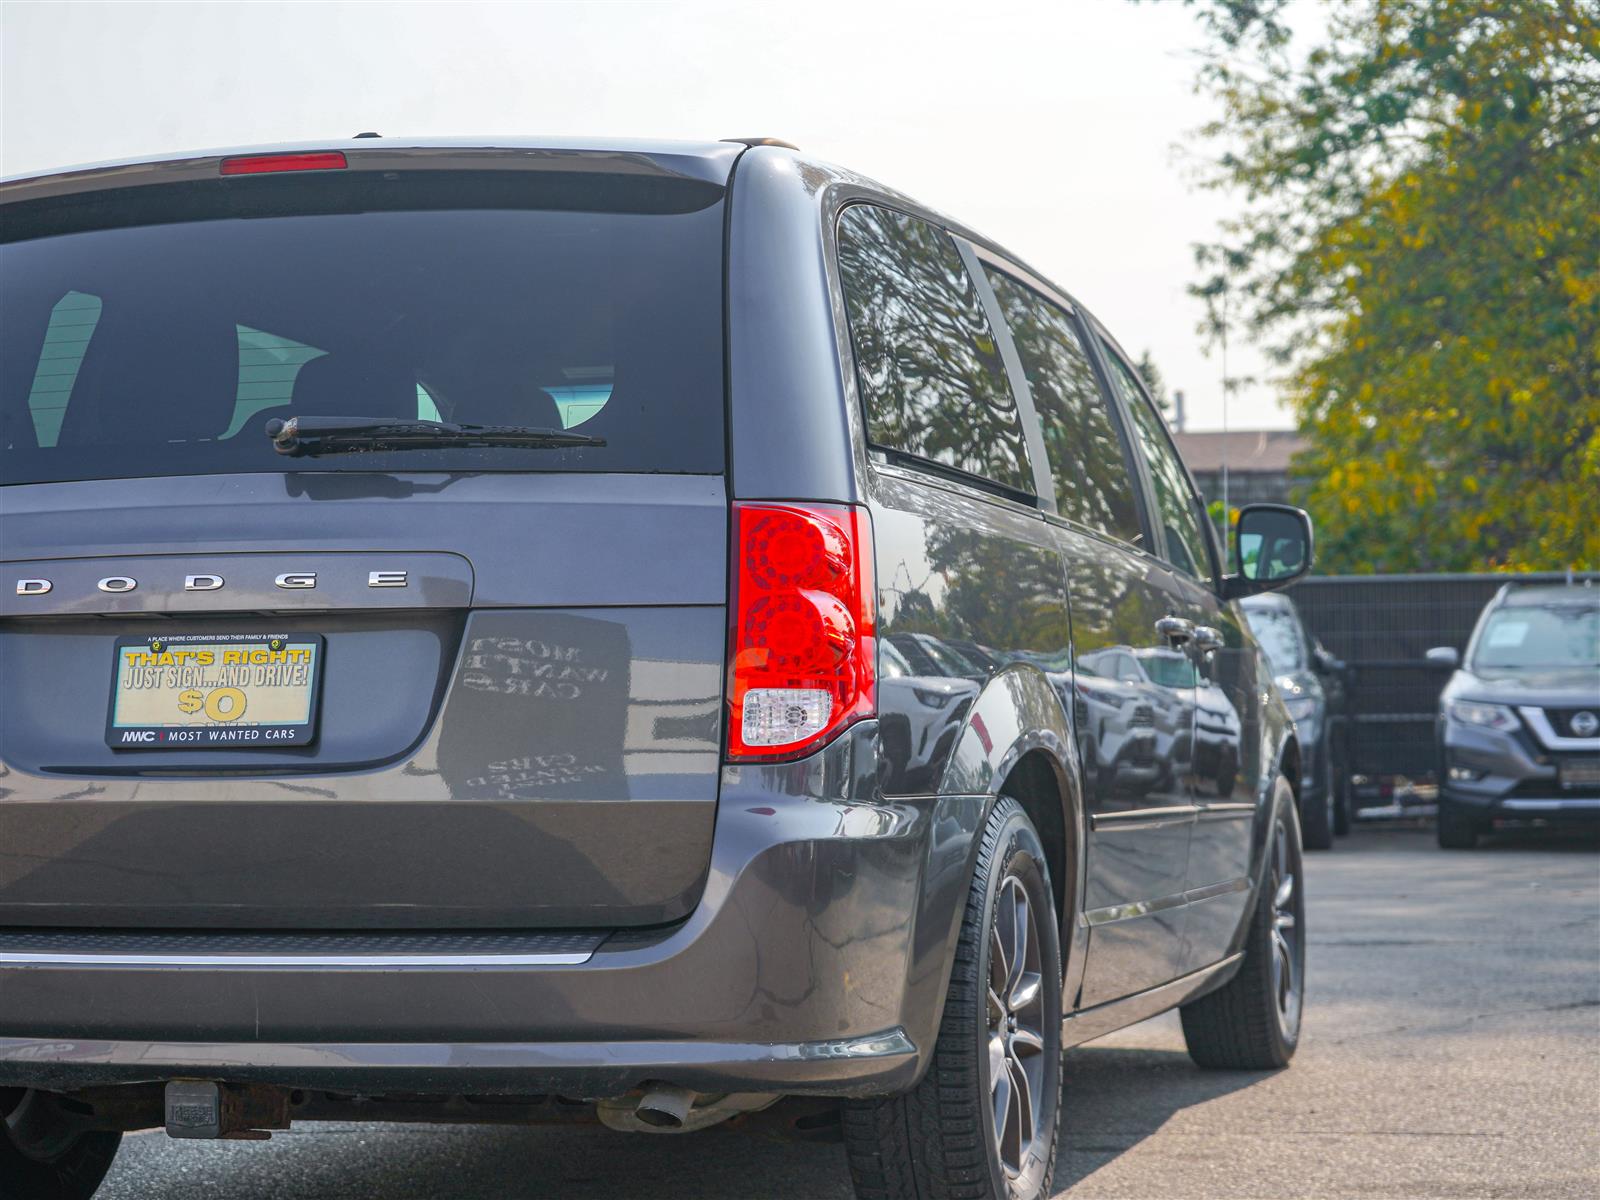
column 1289, row 762
column 1018, row 741
column 1285, row 762
column 1266, row 818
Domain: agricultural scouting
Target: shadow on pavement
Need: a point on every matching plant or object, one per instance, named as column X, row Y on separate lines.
column 1116, row 1098
column 1377, row 837
column 1566, row 841
column 465, row 1162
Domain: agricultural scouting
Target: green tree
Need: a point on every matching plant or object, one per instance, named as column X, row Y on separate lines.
column 1419, row 246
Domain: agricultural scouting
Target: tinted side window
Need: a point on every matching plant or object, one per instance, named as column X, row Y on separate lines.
column 931, row 375
column 1175, row 502
column 1094, row 486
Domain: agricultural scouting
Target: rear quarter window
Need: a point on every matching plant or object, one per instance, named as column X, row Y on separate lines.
column 932, row 381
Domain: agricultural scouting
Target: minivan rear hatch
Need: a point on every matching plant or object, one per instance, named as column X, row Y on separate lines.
column 443, row 681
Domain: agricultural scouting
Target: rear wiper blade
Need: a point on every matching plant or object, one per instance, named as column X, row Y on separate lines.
column 339, row 435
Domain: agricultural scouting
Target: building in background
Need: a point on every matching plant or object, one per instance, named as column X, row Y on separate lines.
column 1257, row 461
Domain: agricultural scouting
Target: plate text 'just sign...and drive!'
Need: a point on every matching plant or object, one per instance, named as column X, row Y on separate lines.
column 203, row 691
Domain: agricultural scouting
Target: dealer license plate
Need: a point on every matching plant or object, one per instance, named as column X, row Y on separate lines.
column 208, row 691
column 1580, row 773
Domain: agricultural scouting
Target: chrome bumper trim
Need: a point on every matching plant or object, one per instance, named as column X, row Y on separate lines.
column 1569, row 804
column 867, row 1064
column 343, row 962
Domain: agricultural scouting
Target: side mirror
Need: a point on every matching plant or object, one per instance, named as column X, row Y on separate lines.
column 1446, row 658
column 1273, row 546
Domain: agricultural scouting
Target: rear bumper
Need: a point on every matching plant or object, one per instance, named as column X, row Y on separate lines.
column 883, row 1063
column 815, row 962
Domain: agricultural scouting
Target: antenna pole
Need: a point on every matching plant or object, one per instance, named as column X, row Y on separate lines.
column 1227, row 512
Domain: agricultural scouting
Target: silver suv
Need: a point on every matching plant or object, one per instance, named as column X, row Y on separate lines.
column 1519, row 720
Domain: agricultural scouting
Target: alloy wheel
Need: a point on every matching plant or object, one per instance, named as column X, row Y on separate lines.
column 1016, row 1045
column 1288, row 947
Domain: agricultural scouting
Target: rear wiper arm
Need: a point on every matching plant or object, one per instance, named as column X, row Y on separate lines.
column 339, row 435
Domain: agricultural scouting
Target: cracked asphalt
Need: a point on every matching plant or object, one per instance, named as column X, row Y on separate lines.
column 1451, row 1049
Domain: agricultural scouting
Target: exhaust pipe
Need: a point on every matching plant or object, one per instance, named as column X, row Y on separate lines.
column 665, row 1106
column 668, row 1108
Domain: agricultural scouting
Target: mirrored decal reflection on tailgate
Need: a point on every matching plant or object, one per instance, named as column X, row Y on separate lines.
column 207, row 691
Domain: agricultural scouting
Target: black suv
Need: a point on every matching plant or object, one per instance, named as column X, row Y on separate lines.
column 603, row 631
column 1311, row 682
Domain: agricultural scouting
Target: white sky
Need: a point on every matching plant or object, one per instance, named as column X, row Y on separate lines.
column 1051, row 126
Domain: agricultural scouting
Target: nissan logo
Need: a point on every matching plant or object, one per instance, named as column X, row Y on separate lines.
column 1584, row 724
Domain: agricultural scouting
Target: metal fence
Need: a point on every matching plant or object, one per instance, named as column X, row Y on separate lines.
column 1381, row 626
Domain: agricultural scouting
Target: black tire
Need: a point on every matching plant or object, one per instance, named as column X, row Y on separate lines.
column 1343, row 818
column 1458, row 828
column 1252, row 1023
column 70, row 1170
column 1317, row 819
column 938, row 1141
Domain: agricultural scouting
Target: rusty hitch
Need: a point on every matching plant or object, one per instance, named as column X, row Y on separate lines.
column 202, row 1108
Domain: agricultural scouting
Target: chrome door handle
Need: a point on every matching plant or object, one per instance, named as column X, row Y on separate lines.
column 1207, row 638
column 1176, row 630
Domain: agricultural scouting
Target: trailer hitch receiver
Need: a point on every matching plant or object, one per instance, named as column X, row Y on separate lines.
column 203, row 1108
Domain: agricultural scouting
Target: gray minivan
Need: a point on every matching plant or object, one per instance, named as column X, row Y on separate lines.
column 603, row 631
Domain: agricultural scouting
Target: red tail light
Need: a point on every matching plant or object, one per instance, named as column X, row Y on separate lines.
column 803, row 652
column 264, row 164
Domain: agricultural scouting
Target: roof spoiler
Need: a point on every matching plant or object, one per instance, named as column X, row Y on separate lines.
column 762, row 141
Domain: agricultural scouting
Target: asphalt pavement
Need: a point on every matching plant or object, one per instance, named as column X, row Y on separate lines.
column 1451, row 1049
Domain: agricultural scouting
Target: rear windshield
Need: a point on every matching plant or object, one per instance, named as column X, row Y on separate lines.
column 156, row 331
